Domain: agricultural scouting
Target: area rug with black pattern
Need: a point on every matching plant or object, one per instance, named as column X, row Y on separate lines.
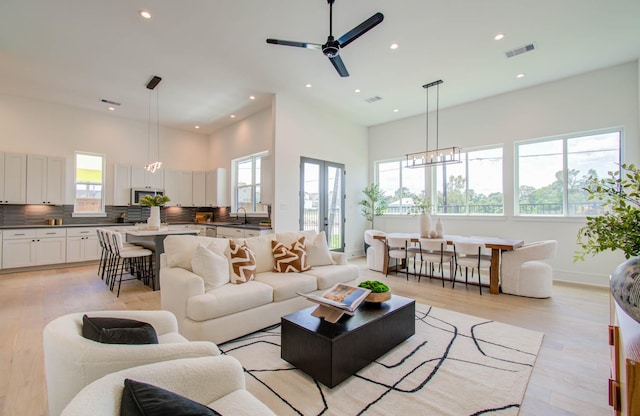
column 455, row 364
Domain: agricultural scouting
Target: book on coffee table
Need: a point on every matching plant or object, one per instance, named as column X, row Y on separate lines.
column 339, row 300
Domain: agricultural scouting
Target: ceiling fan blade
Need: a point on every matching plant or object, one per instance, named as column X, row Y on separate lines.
column 296, row 44
column 360, row 30
column 339, row 66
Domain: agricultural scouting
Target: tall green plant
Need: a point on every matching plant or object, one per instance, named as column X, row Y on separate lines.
column 618, row 227
column 375, row 204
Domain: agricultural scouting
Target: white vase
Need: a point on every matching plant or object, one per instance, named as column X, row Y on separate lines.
column 154, row 218
column 425, row 225
column 439, row 229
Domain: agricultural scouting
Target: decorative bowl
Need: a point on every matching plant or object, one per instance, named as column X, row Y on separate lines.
column 625, row 287
column 378, row 297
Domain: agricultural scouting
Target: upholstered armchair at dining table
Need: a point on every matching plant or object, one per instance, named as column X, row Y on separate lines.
column 523, row 272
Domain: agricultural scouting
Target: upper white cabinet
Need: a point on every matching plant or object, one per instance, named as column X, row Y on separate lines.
column 266, row 180
column 121, row 185
column 45, row 179
column 178, row 185
column 199, row 189
column 186, row 189
column 13, row 178
column 140, row 178
column 217, row 188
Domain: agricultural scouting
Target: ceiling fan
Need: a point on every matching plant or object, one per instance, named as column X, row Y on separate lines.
column 332, row 47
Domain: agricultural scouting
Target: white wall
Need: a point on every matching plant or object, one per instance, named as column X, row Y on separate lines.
column 302, row 130
column 596, row 100
column 38, row 127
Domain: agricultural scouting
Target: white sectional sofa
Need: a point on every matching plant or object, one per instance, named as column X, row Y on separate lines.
column 222, row 310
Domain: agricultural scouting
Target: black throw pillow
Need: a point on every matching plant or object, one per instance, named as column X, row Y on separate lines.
column 142, row 399
column 118, row 331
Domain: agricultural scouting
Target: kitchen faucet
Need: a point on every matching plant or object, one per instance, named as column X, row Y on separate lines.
column 245, row 214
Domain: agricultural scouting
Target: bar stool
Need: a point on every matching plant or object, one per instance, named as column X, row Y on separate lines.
column 136, row 260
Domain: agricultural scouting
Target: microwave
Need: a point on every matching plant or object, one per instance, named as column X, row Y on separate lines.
column 137, row 193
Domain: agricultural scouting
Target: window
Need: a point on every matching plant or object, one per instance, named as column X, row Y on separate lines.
column 89, row 181
column 552, row 173
column 472, row 187
column 400, row 185
column 247, row 183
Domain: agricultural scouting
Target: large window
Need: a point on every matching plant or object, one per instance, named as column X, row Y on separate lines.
column 89, row 181
column 400, row 185
column 552, row 173
column 472, row 187
column 247, row 175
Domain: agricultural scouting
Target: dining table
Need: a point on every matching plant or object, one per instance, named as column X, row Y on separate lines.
column 154, row 241
column 495, row 244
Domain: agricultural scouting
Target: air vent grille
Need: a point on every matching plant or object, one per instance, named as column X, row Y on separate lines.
column 373, row 99
column 519, row 51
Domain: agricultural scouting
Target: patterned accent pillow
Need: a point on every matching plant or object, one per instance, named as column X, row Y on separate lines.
column 290, row 259
column 243, row 262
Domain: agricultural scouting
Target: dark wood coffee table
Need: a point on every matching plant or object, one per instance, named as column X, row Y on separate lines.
column 331, row 353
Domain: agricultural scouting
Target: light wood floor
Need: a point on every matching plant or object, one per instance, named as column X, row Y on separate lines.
column 569, row 378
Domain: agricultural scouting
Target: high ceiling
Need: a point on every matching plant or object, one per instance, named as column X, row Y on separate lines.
column 212, row 55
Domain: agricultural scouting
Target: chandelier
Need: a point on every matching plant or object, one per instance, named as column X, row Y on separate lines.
column 436, row 156
column 153, row 166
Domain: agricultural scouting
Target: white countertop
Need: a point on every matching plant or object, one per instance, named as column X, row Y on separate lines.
column 144, row 233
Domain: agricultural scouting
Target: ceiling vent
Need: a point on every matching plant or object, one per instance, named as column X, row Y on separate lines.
column 373, row 99
column 519, row 51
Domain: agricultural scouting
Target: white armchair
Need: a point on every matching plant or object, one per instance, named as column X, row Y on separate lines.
column 72, row 361
column 217, row 382
column 523, row 273
column 376, row 250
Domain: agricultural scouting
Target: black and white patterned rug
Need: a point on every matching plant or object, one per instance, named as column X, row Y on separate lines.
column 455, row 364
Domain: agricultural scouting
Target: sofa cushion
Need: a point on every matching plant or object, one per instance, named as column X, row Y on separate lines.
column 327, row 276
column 291, row 236
column 243, row 262
column 228, row 299
column 212, row 266
column 290, row 258
column 318, row 252
column 118, row 331
column 261, row 247
column 143, row 399
column 285, row 285
column 179, row 249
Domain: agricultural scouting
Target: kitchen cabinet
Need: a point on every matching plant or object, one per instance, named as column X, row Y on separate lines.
column 140, row 178
column 33, row 247
column 199, row 189
column 13, row 178
column 217, row 188
column 186, row 189
column 45, row 179
column 82, row 244
column 233, row 232
column 178, row 185
column 121, row 185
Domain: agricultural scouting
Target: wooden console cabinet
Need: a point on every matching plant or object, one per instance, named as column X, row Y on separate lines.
column 624, row 382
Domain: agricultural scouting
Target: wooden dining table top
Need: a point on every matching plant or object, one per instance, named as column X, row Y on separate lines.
column 489, row 242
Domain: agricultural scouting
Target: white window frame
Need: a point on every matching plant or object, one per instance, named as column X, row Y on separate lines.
column 102, row 212
column 234, row 180
column 401, row 164
column 565, row 191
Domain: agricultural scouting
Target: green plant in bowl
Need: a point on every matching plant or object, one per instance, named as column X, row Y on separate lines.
column 379, row 291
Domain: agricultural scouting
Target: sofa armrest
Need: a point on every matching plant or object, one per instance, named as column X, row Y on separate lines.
column 178, row 285
column 338, row 258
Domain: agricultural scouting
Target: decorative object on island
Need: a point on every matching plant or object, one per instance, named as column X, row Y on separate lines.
column 379, row 291
column 375, row 204
column 436, row 156
column 155, row 202
column 439, row 229
column 153, row 166
column 616, row 228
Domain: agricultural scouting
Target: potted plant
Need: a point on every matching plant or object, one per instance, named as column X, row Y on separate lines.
column 375, row 204
column 379, row 291
column 616, row 229
column 155, row 202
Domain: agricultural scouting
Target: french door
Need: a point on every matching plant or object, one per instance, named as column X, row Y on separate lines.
column 322, row 199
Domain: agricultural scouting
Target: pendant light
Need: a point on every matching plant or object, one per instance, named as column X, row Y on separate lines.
column 152, row 167
column 436, row 156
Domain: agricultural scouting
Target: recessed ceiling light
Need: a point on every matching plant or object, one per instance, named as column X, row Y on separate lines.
column 197, row 127
column 356, row 90
column 395, row 110
column 499, row 36
column 233, row 116
column 251, row 97
column 520, row 76
column 112, row 108
column 145, row 14
column 394, row 46
column 308, row 85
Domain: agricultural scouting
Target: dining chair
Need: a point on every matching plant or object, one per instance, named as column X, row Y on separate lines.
column 433, row 252
column 398, row 249
column 468, row 254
